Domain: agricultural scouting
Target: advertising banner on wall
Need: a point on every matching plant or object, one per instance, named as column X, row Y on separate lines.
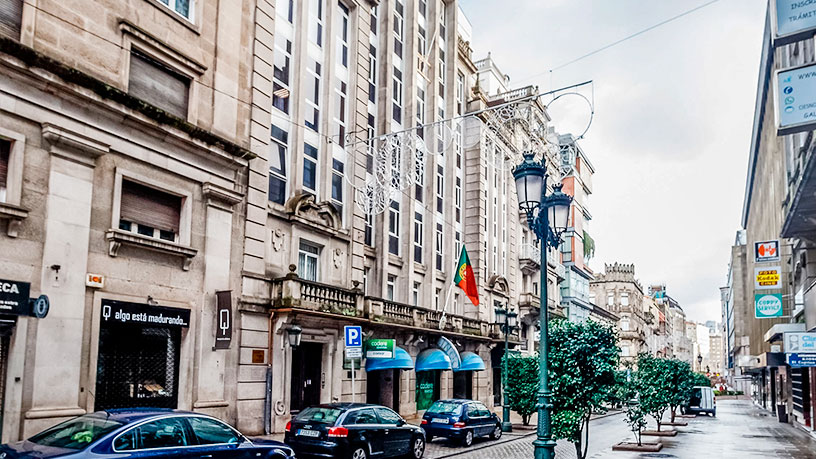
column 766, row 251
column 14, row 297
column 792, row 20
column 801, row 360
column 767, row 305
column 795, row 99
column 800, row 342
column 768, row 277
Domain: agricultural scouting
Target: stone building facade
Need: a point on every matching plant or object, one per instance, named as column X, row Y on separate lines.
column 623, row 295
column 123, row 141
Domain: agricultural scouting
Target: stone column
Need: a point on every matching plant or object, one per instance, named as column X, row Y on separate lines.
column 56, row 344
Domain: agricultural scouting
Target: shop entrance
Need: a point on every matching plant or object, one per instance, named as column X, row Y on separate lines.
column 383, row 388
column 427, row 388
column 463, row 384
column 307, row 369
column 138, row 360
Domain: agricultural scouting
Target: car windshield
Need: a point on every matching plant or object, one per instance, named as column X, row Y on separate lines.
column 322, row 414
column 445, row 408
column 76, row 433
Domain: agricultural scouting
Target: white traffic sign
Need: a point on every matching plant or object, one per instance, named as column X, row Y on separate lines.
column 353, row 335
column 354, row 353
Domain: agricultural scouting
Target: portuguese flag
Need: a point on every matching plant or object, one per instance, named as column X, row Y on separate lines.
column 465, row 279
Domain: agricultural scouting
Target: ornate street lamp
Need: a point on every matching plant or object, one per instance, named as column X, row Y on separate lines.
column 507, row 320
column 699, row 362
column 293, row 334
column 547, row 217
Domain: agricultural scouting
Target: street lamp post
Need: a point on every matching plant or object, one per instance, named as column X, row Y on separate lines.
column 699, row 362
column 542, row 211
column 507, row 320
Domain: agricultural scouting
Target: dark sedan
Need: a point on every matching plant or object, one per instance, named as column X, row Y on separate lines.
column 461, row 420
column 353, row 430
column 144, row 433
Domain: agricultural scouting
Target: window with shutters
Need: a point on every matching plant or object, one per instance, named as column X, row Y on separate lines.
column 149, row 212
column 158, row 85
column 5, row 152
column 11, row 18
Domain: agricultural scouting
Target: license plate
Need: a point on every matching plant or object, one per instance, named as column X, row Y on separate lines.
column 440, row 421
column 308, row 433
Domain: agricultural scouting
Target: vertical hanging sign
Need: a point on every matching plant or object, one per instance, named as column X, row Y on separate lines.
column 223, row 319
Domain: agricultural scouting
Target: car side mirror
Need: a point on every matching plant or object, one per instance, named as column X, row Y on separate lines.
column 401, row 422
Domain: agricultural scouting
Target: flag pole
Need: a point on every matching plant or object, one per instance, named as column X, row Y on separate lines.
column 445, row 307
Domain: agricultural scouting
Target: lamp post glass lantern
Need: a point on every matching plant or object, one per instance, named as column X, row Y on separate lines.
column 548, row 218
column 294, row 333
column 507, row 321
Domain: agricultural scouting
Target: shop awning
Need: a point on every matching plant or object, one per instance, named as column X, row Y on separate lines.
column 471, row 362
column 432, row 359
column 401, row 361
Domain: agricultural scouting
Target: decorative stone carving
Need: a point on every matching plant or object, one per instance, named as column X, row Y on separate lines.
column 337, row 257
column 498, row 284
column 277, row 240
column 303, row 205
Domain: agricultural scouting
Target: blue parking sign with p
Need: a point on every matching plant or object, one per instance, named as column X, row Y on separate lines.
column 354, row 336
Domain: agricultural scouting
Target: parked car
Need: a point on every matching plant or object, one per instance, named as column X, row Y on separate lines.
column 461, row 420
column 144, row 433
column 353, row 430
column 702, row 401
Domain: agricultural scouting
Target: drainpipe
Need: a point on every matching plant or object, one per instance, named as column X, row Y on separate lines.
column 268, row 394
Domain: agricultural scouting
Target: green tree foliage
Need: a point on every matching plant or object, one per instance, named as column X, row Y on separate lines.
column 651, row 384
column 582, row 363
column 626, row 395
column 522, row 378
column 700, row 379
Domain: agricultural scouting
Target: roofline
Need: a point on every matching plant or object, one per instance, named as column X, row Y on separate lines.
column 765, row 66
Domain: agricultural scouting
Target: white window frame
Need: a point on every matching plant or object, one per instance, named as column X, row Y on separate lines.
column 415, row 294
column 14, row 174
column 306, row 255
column 316, row 162
column 171, row 5
column 391, row 288
column 440, row 240
column 394, row 221
column 419, row 230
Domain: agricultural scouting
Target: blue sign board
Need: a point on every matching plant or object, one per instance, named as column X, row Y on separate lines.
column 794, row 20
column 353, row 335
column 795, row 95
column 802, row 360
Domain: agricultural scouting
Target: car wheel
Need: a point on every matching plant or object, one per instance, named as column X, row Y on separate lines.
column 468, row 439
column 417, row 448
column 358, row 452
column 497, row 432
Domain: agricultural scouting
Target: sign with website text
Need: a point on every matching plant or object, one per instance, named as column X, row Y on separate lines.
column 379, row 349
column 800, row 342
column 795, row 99
column 14, row 297
column 767, row 305
column 768, row 277
column 801, row 360
column 766, row 251
column 793, row 20
column 124, row 313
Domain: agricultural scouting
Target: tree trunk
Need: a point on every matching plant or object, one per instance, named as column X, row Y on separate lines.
column 525, row 419
column 586, row 438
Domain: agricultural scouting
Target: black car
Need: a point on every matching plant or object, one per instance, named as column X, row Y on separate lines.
column 355, row 431
column 461, row 420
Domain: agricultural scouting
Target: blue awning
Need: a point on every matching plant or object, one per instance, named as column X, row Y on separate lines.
column 401, row 361
column 471, row 362
column 432, row 359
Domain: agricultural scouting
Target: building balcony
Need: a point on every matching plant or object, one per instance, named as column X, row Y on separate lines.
column 529, row 258
column 634, row 335
column 301, row 295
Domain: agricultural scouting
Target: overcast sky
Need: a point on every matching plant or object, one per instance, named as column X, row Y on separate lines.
column 672, row 127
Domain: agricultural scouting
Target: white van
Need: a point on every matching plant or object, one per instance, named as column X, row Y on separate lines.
column 702, row 401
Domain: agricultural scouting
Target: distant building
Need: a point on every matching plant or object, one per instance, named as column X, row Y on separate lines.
column 623, row 296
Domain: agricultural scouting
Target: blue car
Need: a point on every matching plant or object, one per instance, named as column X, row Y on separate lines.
column 143, row 433
column 461, row 420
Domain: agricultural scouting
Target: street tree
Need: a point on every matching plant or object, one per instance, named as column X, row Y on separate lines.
column 522, row 387
column 651, row 383
column 680, row 380
column 583, row 359
column 626, row 396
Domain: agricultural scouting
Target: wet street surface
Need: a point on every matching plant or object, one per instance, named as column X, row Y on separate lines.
column 740, row 430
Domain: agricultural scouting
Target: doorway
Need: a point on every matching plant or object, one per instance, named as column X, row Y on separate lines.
column 383, row 388
column 463, row 385
column 307, row 371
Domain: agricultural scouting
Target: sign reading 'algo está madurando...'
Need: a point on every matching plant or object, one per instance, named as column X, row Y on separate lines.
column 793, row 20
column 767, row 305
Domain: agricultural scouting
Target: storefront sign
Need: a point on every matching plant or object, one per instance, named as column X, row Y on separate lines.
column 124, row 313
column 766, row 251
column 795, row 99
column 223, row 312
column 380, row 349
column 800, row 342
column 14, row 297
column 94, row 280
column 792, row 20
column 767, row 277
column 767, row 305
column 449, row 349
column 802, row 360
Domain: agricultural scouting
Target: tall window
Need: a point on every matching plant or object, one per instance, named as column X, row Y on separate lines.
column 281, row 73
column 437, row 295
column 149, row 212
column 421, row 45
column 391, row 287
column 309, row 168
column 399, row 25
column 396, row 96
column 312, row 91
column 440, row 188
column 337, row 184
column 277, row 165
column 458, row 199
column 5, row 152
column 415, row 294
column 369, row 229
column 285, row 9
column 457, row 246
column 366, row 273
column 316, row 26
column 624, row 299
column 393, row 227
column 372, row 73
column 342, row 44
column 420, row 112
column 610, row 299
column 442, row 18
column 418, row 235
column 158, row 85
column 340, row 91
column 460, row 93
column 308, row 259
column 439, row 246
column 11, row 18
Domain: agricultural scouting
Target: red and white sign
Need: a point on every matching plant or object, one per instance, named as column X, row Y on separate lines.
column 766, row 251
